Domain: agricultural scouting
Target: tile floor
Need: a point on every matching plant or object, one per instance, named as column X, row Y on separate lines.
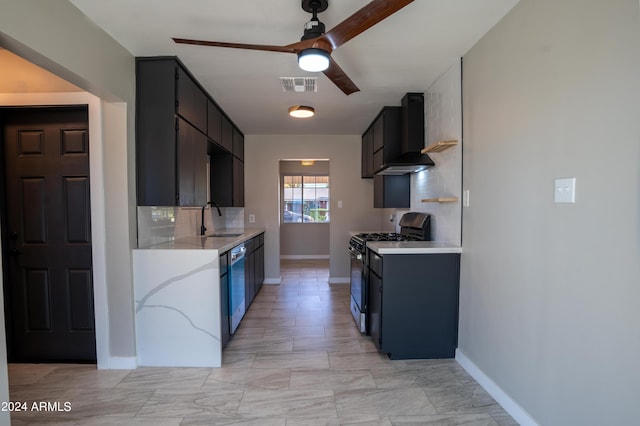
column 296, row 359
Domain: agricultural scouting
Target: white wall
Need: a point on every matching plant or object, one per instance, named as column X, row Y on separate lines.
column 262, row 156
column 443, row 121
column 549, row 292
column 58, row 38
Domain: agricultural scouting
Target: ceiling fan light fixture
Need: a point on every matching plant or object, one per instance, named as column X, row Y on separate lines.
column 313, row 60
column 301, row 111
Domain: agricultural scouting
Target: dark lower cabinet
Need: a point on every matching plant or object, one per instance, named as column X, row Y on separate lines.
column 413, row 304
column 225, row 322
column 254, row 267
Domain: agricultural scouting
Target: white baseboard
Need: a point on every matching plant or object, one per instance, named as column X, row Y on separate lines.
column 303, row 256
column 272, row 280
column 339, row 280
column 122, row 363
column 510, row 406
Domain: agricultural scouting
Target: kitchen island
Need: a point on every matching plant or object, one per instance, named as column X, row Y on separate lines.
column 178, row 299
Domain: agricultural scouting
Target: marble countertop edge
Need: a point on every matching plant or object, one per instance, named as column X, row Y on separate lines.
column 412, row 247
column 219, row 244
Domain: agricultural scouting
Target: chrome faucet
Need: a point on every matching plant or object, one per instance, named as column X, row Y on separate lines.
column 212, row 203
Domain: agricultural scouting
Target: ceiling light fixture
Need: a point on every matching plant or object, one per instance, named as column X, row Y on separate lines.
column 313, row 60
column 307, row 162
column 301, row 111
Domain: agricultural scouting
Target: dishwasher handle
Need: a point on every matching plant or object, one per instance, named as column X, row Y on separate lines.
column 237, row 253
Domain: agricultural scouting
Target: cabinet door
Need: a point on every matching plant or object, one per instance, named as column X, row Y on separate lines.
column 226, row 139
column 259, row 268
column 225, row 329
column 252, row 268
column 222, row 179
column 155, row 132
column 214, row 122
column 367, row 155
column 375, row 308
column 192, row 102
column 238, row 182
column 192, row 165
column 377, row 160
column 392, row 191
column 378, row 132
column 227, row 180
column 238, row 144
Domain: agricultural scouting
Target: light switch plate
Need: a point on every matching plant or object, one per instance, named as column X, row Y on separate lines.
column 565, row 190
column 466, row 198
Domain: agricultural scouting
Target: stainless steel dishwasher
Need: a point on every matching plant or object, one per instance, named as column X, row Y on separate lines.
column 236, row 286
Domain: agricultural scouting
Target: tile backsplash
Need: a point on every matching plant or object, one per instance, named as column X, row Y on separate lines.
column 443, row 121
column 158, row 224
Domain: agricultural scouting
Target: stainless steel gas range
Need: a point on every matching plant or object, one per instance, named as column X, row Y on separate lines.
column 414, row 226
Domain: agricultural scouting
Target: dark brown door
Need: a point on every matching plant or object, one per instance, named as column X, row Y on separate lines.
column 47, row 235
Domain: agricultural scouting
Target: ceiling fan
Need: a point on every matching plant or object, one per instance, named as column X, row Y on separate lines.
column 315, row 47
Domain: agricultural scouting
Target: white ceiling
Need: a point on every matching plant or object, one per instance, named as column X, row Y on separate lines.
column 404, row 53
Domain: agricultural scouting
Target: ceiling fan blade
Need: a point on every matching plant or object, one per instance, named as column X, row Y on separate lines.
column 363, row 19
column 263, row 47
column 339, row 78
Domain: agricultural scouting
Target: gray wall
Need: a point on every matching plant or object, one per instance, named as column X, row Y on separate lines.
column 262, row 156
column 57, row 37
column 549, row 292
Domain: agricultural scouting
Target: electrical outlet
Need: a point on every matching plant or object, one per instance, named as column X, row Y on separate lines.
column 252, row 218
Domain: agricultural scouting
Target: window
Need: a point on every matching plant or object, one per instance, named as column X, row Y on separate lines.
column 305, row 199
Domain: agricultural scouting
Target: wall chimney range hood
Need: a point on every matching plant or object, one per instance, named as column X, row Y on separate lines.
column 411, row 140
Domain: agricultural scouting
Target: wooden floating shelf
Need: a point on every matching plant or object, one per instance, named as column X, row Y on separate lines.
column 440, row 200
column 439, row 146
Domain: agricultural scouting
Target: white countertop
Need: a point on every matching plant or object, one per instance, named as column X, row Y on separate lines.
column 412, row 247
column 220, row 244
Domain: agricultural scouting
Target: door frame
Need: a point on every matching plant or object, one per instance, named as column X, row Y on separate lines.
column 98, row 207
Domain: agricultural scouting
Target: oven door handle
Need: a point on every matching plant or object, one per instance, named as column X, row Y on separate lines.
column 355, row 253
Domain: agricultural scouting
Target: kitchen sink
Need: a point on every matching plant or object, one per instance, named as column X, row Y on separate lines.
column 223, row 235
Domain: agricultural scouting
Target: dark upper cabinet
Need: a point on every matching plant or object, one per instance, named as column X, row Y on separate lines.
column 227, row 169
column 367, row 154
column 226, row 140
column 191, row 165
column 379, row 145
column 214, row 122
column 380, row 141
column 386, row 136
column 238, row 182
column 227, row 179
column 156, row 132
column 171, row 153
column 191, row 100
column 392, row 191
column 174, row 120
column 238, row 144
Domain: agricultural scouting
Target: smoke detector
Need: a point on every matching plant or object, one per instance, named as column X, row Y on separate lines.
column 299, row 84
